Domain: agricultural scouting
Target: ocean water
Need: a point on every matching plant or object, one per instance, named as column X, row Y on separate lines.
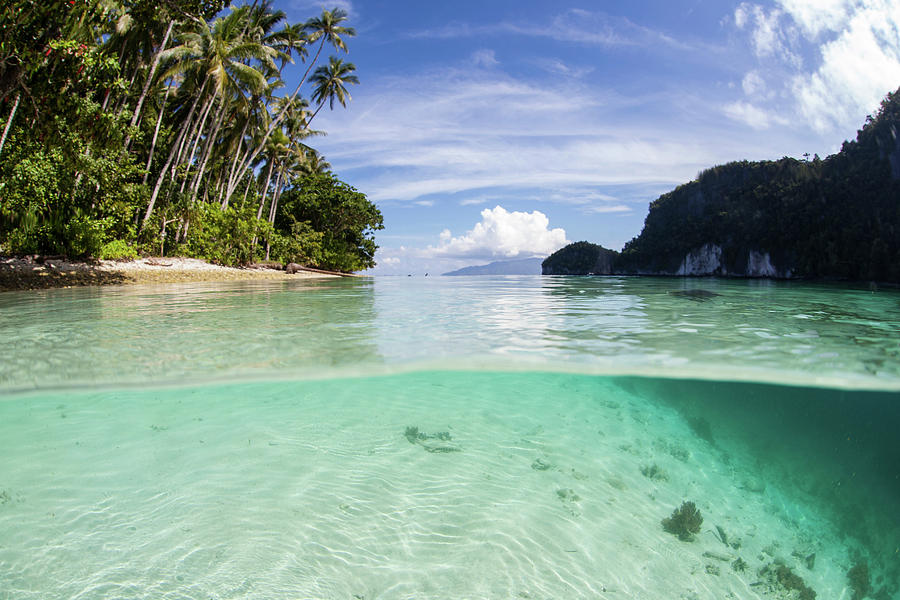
column 482, row 437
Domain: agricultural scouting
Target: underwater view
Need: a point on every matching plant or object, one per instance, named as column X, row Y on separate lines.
column 468, row 437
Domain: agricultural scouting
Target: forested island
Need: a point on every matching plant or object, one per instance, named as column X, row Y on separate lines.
column 168, row 128
column 837, row 218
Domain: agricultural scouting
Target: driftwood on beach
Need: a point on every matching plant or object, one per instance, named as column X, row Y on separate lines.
column 292, row 268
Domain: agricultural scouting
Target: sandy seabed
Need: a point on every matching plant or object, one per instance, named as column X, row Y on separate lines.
column 29, row 273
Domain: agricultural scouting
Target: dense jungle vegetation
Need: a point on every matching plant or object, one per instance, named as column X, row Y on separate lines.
column 836, row 218
column 167, row 127
column 832, row 218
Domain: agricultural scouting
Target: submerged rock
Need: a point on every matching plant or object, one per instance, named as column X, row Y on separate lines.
column 540, row 465
column 440, row 442
column 695, row 295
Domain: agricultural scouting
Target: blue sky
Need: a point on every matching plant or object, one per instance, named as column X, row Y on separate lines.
column 502, row 129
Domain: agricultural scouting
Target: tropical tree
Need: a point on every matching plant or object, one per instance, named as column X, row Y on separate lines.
column 129, row 125
column 326, row 28
column 330, row 81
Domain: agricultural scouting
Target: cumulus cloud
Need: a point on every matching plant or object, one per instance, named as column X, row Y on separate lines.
column 502, row 234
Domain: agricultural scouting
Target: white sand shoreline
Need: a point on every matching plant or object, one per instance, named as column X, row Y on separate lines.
column 49, row 272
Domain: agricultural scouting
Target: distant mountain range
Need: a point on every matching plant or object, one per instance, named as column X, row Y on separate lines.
column 525, row 266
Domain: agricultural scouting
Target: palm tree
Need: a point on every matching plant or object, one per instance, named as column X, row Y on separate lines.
column 326, row 28
column 330, row 80
column 314, row 163
column 218, row 55
column 154, row 65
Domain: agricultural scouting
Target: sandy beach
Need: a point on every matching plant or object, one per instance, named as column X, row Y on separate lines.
column 38, row 273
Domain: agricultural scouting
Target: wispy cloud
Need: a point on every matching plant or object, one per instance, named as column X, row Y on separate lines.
column 613, row 208
column 853, row 58
column 485, row 58
column 754, row 116
column 559, row 67
column 311, row 8
column 577, row 26
column 477, row 132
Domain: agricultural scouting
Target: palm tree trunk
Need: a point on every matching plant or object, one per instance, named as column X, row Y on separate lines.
column 154, row 65
column 252, row 154
column 265, row 190
column 207, row 151
column 274, row 206
column 162, row 174
column 246, row 192
column 198, row 133
column 9, row 121
column 262, row 202
column 162, row 111
column 121, row 107
column 237, row 153
column 279, row 186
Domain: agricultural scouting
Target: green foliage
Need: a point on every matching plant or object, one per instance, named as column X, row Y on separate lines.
column 685, row 522
column 60, row 199
column 344, row 216
column 135, row 126
column 837, row 218
column 225, row 237
column 301, row 244
column 579, row 258
column 117, row 250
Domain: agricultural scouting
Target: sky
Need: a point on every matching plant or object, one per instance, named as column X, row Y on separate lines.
column 504, row 129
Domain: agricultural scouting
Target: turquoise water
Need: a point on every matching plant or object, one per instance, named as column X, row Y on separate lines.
column 509, row 437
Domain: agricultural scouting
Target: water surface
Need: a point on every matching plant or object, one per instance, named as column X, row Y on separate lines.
column 483, row 437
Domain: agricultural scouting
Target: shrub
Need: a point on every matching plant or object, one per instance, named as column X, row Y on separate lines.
column 117, row 250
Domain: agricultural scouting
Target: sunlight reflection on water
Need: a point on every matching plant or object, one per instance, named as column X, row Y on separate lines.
column 616, row 324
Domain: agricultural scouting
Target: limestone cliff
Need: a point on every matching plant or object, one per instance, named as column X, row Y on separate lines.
column 835, row 218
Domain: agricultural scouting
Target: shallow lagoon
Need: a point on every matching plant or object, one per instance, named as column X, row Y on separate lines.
column 251, row 440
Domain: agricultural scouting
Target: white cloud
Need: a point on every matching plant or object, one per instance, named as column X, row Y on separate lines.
column 502, row 234
column 753, row 83
column 485, row 58
column 858, row 68
column 320, row 5
column 852, row 45
column 769, row 36
column 558, row 67
column 751, row 115
column 816, row 16
column 609, row 208
column 484, row 134
column 578, row 26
